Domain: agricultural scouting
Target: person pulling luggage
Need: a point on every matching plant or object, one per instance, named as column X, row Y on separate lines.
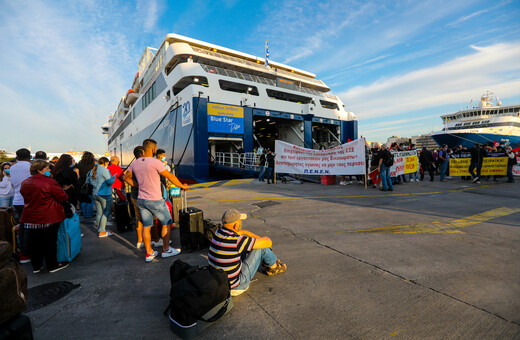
column 148, row 171
column 239, row 252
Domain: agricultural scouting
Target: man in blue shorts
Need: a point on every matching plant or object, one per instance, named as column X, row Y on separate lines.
column 147, row 170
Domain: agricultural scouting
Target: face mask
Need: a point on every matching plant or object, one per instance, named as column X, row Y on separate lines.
column 163, row 159
column 7, row 172
column 72, row 165
column 48, row 173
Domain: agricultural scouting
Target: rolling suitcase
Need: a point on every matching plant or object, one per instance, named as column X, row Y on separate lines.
column 191, row 226
column 69, row 239
column 123, row 220
column 19, row 328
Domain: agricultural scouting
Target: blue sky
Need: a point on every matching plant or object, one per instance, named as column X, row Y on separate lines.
column 398, row 65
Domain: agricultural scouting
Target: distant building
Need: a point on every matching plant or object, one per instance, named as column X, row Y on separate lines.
column 398, row 140
column 424, row 140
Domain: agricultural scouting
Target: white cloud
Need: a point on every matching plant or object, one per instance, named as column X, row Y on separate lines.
column 494, row 68
column 148, row 11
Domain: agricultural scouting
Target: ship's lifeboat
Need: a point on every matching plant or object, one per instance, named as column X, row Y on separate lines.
column 131, row 97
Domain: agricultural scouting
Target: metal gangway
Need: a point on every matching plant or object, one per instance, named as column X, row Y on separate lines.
column 246, row 160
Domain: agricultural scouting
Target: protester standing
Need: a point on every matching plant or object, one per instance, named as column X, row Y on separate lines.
column 42, row 215
column 426, row 161
column 270, row 166
column 262, row 164
column 66, row 177
column 477, row 158
column 6, row 186
column 443, row 162
column 511, row 161
column 384, row 169
column 102, row 193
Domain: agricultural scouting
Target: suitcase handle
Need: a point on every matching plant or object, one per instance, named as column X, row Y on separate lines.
column 184, row 200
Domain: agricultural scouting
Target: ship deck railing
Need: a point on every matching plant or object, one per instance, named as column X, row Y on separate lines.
column 246, row 160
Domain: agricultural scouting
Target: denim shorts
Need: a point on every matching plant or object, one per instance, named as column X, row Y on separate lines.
column 149, row 209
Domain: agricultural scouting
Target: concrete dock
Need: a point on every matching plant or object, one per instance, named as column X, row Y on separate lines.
column 429, row 260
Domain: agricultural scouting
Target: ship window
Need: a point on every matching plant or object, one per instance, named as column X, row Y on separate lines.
column 329, row 105
column 500, row 111
column 288, row 96
column 187, row 81
column 238, row 87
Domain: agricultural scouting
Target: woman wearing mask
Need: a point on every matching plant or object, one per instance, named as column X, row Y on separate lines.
column 42, row 215
column 6, row 187
column 66, row 177
column 102, row 192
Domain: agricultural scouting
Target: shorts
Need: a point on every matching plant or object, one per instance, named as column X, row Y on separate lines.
column 137, row 211
column 149, row 209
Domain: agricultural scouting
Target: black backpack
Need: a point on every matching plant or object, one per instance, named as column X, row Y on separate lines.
column 195, row 291
column 388, row 158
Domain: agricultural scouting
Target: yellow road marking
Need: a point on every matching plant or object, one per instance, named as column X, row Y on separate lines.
column 325, row 197
column 207, row 185
column 440, row 227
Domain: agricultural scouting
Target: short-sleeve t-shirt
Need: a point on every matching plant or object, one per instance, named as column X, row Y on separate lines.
column 225, row 253
column 147, row 172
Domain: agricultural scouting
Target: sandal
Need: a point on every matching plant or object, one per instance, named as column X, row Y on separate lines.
column 280, row 268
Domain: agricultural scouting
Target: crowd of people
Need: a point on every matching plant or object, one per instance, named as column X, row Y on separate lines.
column 41, row 191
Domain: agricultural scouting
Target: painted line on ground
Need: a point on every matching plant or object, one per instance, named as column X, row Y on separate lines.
column 342, row 196
column 452, row 227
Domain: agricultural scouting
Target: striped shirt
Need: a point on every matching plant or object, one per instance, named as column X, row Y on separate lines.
column 225, row 250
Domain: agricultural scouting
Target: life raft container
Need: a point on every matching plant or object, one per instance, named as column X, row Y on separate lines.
column 131, row 97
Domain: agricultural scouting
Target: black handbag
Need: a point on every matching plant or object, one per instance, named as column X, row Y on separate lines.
column 87, row 188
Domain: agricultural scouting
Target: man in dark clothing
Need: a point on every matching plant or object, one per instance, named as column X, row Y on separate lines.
column 270, row 166
column 477, row 157
column 426, row 160
column 261, row 163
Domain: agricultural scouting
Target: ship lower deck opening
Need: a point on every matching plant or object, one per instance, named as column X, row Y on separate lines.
column 266, row 130
column 326, row 135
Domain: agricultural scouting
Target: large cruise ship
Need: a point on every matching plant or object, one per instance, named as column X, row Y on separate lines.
column 487, row 122
column 201, row 102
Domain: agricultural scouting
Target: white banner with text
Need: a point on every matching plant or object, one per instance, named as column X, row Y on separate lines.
column 346, row 159
column 405, row 162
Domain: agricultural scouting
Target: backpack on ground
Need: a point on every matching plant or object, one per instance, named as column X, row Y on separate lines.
column 13, row 284
column 210, row 228
column 388, row 158
column 198, row 296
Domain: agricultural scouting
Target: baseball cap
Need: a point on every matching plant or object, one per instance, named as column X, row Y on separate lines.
column 232, row 215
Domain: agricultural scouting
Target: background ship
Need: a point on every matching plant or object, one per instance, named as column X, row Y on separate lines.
column 484, row 123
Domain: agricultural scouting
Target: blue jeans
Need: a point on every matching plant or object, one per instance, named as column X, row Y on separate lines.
column 510, row 177
column 385, row 178
column 413, row 176
column 252, row 262
column 104, row 207
column 6, row 201
column 444, row 166
column 262, row 172
column 270, row 173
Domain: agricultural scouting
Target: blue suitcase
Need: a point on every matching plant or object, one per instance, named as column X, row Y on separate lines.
column 69, row 239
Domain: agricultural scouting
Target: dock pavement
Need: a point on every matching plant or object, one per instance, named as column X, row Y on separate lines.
column 429, row 260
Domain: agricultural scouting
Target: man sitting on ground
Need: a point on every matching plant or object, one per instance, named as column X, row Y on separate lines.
column 239, row 252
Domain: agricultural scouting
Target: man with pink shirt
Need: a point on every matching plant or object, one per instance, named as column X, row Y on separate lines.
column 147, row 170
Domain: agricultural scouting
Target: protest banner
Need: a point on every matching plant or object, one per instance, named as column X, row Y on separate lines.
column 516, row 168
column 405, row 162
column 492, row 164
column 346, row 159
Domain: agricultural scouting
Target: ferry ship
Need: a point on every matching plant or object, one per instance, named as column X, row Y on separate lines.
column 202, row 103
column 486, row 122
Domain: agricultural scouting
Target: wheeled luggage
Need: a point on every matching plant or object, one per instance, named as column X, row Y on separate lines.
column 198, row 297
column 7, row 224
column 13, row 284
column 123, row 219
column 191, row 226
column 69, row 239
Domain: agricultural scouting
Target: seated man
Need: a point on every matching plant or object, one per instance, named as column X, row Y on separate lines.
column 239, row 252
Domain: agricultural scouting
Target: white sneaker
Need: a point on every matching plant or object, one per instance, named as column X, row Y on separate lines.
column 158, row 243
column 350, row 182
column 139, row 245
column 237, row 292
column 417, row 179
column 342, row 183
column 360, row 182
column 170, row 252
column 476, row 179
column 150, row 257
